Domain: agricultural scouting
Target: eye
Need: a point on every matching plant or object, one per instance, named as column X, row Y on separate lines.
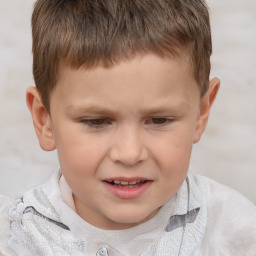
column 95, row 122
column 159, row 121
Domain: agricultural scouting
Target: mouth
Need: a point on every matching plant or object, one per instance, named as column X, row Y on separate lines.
column 126, row 184
column 127, row 188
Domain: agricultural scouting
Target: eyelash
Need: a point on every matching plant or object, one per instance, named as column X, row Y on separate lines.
column 98, row 123
column 101, row 122
column 165, row 120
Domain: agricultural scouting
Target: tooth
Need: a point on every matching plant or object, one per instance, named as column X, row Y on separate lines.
column 132, row 182
column 124, row 182
column 116, row 181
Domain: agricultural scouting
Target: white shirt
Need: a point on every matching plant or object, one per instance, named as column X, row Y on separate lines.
column 230, row 228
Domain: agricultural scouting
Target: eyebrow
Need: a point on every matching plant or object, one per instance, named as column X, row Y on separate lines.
column 163, row 109
column 91, row 109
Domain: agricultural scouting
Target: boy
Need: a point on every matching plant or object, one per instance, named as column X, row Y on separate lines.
column 122, row 93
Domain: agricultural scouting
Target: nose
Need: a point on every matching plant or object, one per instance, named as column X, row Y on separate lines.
column 128, row 147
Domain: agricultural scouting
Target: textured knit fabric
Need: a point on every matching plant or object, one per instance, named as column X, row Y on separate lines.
column 5, row 232
column 218, row 222
column 231, row 222
column 44, row 225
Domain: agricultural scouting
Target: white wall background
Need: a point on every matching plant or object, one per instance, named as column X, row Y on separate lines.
column 227, row 152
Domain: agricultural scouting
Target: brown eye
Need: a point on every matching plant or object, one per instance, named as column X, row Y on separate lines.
column 159, row 120
column 95, row 122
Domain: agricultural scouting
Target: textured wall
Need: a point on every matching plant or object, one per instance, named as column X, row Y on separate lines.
column 227, row 151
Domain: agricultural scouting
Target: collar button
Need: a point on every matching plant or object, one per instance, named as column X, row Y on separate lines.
column 102, row 252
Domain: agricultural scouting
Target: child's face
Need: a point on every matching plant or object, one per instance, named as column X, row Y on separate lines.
column 124, row 136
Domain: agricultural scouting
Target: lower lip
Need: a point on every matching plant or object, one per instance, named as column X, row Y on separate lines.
column 128, row 193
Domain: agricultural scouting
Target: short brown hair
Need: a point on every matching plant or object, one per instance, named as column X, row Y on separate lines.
column 86, row 33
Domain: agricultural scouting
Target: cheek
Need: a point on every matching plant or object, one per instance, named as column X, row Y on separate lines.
column 174, row 167
column 173, row 155
column 176, row 146
column 79, row 164
column 78, row 154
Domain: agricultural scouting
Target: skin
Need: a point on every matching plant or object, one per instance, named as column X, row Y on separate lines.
column 138, row 118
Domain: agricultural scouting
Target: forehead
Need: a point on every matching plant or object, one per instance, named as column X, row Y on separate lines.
column 143, row 78
column 140, row 64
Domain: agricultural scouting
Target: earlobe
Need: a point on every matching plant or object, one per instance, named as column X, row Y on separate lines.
column 41, row 119
column 205, row 106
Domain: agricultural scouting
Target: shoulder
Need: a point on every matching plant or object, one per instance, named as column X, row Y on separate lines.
column 5, row 205
column 219, row 197
column 231, row 220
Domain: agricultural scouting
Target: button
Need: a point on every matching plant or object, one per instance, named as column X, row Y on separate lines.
column 102, row 252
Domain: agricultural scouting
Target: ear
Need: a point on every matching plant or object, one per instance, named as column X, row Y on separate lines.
column 41, row 119
column 205, row 106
